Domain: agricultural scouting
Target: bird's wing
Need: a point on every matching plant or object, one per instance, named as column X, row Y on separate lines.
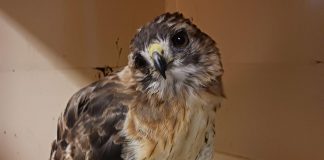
column 89, row 127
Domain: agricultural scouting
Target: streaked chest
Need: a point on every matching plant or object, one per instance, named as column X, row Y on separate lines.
column 192, row 135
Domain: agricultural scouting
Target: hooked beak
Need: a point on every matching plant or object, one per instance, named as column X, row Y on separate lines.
column 156, row 53
column 159, row 63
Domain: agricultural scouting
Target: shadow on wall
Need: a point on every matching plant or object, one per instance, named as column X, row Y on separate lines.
column 82, row 34
column 48, row 50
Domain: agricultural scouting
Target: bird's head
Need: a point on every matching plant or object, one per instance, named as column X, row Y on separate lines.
column 170, row 55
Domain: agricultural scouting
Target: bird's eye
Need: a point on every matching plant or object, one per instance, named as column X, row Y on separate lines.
column 139, row 60
column 180, row 39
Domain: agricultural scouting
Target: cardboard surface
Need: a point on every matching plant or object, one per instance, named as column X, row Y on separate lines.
column 272, row 52
column 273, row 58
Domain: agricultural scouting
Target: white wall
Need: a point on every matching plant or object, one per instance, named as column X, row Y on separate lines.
column 47, row 52
column 275, row 104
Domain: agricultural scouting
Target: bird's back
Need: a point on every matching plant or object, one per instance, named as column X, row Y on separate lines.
column 90, row 125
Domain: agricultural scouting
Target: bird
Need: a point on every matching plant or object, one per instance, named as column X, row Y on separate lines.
column 160, row 106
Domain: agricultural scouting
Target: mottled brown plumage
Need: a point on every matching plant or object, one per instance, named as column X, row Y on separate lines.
column 161, row 106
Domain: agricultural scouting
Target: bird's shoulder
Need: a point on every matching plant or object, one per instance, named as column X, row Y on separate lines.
column 90, row 125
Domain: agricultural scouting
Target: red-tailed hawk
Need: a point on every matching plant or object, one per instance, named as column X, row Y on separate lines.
column 161, row 106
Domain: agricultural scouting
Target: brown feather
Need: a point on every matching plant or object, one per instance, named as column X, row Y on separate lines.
column 90, row 125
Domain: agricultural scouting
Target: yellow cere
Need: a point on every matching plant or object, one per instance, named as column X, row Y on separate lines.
column 155, row 47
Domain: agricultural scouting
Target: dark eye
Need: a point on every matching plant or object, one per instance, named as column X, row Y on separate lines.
column 139, row 61
column 180, row 39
